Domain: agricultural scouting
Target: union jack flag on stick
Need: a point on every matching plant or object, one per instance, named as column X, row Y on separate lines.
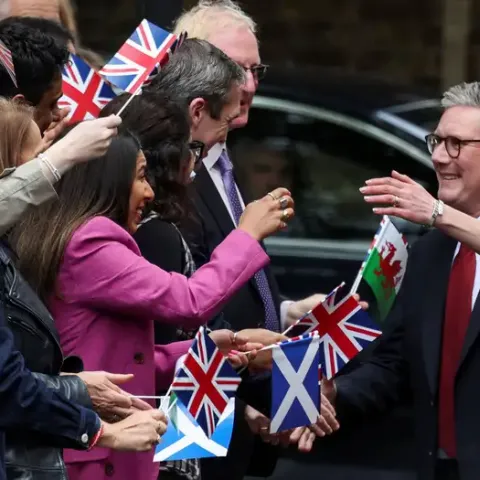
column 7, row 62
column 344, row 329
column 205, row 382
column 84, row 91
column 147, row 47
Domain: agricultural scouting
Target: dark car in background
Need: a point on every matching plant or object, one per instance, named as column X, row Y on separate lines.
column 322, row 135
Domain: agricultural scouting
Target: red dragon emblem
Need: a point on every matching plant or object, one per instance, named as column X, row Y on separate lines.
column 388, row 269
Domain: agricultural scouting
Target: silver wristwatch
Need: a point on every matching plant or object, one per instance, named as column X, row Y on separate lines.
column 437, row 211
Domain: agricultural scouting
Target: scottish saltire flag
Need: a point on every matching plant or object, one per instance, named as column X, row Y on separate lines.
column 147, row 47
column 84, row 90
column 295, row 384
column 186, row 439
column 205, row 382
column 7, row 62
column 345, row 329
column 381, row 274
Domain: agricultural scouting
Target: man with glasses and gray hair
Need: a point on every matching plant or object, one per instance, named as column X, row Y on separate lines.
column 219, row 204
column 208, row 84
column 431, row 351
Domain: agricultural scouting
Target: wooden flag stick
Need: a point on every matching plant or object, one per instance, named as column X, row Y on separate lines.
column 127, row 103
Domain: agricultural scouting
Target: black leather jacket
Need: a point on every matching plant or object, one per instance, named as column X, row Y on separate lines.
column 32, row 456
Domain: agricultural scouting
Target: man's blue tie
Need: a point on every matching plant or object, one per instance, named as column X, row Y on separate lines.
column 226, row 169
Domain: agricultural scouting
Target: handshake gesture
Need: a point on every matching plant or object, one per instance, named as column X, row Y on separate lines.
column 260, row 360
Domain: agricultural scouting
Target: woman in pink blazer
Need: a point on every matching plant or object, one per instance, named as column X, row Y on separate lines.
column 79, row 254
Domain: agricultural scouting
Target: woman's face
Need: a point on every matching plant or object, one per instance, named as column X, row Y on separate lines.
column 140, row 195
column 31, row 144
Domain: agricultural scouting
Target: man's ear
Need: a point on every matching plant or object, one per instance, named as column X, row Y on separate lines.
column 20, row 99
column 197, row 110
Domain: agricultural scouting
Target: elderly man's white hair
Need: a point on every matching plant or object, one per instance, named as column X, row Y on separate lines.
column 209, row 16
column 464, row 95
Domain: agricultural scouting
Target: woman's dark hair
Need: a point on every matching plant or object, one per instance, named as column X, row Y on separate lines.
column 163, row 128
column 99, row 187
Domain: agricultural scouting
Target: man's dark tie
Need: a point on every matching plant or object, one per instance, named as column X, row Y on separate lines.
column 226, row 169
column 458, row 310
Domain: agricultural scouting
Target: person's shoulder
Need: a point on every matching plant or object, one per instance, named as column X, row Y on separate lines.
column 156, row 230
column 430, row 245
column 100, row 225
column 97, row 231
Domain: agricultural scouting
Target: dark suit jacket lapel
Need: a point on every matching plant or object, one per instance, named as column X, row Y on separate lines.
column 440, row 263
column 209, row 194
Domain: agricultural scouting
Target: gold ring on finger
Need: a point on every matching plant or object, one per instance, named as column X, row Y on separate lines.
column 272, row 196
column 285, row 216
column 283, row 203
column 395, row 201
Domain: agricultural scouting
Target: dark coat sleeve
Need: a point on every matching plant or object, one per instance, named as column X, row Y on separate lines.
column 71, row 387
column 384, row 379
column 26, row 403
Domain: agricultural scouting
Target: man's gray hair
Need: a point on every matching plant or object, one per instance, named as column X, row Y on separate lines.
column 210, row 16
column 199, row 70
column 464, row 94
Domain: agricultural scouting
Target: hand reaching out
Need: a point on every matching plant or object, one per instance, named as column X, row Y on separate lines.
column 399, row 196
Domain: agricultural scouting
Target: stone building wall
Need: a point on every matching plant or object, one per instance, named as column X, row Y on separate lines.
column 398, row 40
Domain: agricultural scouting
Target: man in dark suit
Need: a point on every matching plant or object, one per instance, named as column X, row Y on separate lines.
column 219, row 205
column 431, row 350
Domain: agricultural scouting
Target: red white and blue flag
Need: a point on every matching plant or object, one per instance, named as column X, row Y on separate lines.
column 84, row 90
column 7, row 62
column 148, row 47
column 205, row 382
column 156, row 70
column 345, row 329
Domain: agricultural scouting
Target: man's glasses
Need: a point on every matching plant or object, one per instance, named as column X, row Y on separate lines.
column 258, row 71
column 196, row 148
column 453, row 145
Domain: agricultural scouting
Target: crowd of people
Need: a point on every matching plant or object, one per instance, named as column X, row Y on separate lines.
column 121, row 236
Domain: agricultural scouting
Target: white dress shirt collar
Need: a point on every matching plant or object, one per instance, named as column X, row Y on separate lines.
column 213, row 155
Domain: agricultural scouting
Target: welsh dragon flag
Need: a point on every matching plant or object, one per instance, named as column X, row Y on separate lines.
column 383, row 269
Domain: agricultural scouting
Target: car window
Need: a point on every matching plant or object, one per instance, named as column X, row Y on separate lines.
column 323, row 164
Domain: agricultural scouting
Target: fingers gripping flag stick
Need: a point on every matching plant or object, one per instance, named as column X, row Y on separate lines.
column 205, row 382
column 295, row 384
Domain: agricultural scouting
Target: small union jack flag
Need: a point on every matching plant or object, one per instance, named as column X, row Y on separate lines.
column 171, row 51
column 344, row 329
column 84, row 91
column 7, row 61
column 205, row 382
column 148, row 47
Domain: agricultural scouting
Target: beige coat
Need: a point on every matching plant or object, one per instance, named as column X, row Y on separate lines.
column 19, row 188
column 33, row 8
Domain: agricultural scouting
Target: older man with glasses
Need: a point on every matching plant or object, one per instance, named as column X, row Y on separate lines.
column 220, row 204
